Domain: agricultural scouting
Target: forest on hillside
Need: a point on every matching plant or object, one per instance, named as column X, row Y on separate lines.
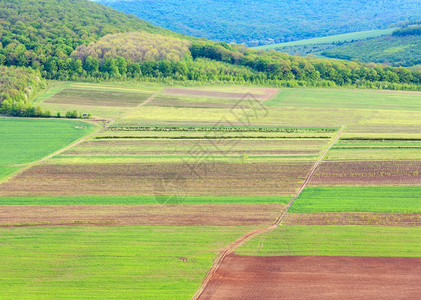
column 401, row 48
column 260, row 22
column 17, row 87
column 82, row 40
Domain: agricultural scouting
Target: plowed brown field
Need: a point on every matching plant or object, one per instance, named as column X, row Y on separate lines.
column 203, row 215
column 195, row 179
column 315, row 277
column 367, row 173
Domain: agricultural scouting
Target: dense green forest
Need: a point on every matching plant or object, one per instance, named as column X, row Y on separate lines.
column 399, row 47
column 402, row 48
column 82, row 40
column 17, row 87
column 260, row 22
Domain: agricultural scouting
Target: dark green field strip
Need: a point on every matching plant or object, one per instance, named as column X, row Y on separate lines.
column 141, row 200
column 337, row 240
column 238, row 128
column 204, row 137
column 359, row 199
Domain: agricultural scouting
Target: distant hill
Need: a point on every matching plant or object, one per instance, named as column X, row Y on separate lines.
column 402, row 48
column 260, row 22
column 83, row 40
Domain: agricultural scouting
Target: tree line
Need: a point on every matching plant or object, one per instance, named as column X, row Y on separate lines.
column 83, row 40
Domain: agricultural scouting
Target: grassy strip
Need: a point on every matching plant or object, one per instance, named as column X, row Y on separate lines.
column 150, row 262
column 204, row 137
column 359, row 199
column 221, row 128
column 140, row 200
column 337, row 241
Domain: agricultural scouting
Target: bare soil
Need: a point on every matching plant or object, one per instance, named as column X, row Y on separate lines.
column 315, row 277
column 368, row 173
column 353, row 218
column 108, row 215
column 190, row 178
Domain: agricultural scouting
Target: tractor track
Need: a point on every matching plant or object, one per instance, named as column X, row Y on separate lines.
column 248, row 236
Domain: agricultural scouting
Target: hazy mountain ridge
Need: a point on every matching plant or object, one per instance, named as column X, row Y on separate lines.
column 261, row 22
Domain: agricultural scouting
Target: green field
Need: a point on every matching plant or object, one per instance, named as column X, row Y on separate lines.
column 359, row 199
column 346, row 99
column 139, row 200
column 340, row 38
column 27, row 140
column 108, row 262
column 337, row 241
column 6, row 171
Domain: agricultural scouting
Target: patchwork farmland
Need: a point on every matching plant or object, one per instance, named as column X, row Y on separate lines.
column 212, row 193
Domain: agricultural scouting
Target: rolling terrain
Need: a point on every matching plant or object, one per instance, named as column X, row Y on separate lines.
column 267, row 22
column 156, row 165
column 202, row 167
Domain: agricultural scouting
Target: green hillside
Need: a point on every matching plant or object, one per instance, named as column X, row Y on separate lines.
column 402, row 48
column 82, row 40
column 263, row 22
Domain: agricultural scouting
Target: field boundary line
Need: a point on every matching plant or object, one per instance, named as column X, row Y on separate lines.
column 270, row 95
column 148, row 100
column 310, row 174
column 248, row 236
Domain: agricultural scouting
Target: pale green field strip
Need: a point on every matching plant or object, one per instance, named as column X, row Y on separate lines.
column 347, row 143
column 334, row 117
column 27, row 140
column 340, row 38
column 332, row 240
column 239, row 159
column 359, row 199
column 350, row 99
column 145, row 262
column 141, row 200
column 379, row 153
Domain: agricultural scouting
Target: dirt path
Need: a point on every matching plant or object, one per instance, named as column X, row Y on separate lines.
column 148, row 100
column 232, row 247
column 271, row 93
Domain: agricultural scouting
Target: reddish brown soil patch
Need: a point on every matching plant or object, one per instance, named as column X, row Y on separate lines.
column 354, row 218
column 368, row 173
column 202, row 93
column 315, row 277
column 189, row 178
column 212, row 215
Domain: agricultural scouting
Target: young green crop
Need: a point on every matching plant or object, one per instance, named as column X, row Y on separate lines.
column 27, row 140
column 359, row 199
column 145, row 262
column 331, row 240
